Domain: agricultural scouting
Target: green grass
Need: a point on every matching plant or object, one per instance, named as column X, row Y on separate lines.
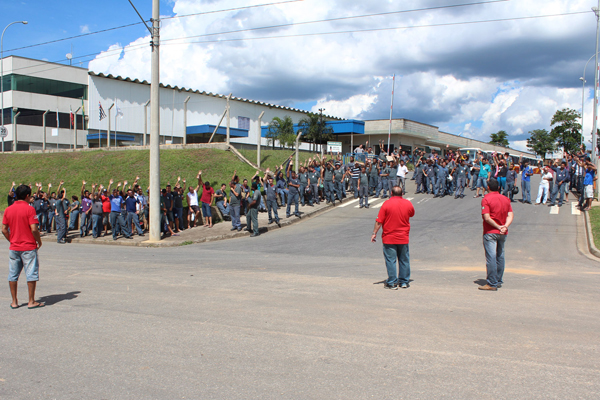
column 595, row 220
column 100, row 166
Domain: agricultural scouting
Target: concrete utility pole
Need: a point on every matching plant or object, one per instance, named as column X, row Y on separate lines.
column 595, row 125
column 185, row 120
column 259, row 139
column 108, row 132
column 321, row 129
column 155, row 127
column 44, row 123
column 297, row 150
column 75, row 127
column 229, row 115
column 15, row 141
column 145, row 122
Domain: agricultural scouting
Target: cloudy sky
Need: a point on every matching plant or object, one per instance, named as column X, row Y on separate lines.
column 469, row 67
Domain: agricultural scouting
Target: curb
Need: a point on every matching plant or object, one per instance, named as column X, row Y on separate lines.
column 232, row 235
column 590, row 237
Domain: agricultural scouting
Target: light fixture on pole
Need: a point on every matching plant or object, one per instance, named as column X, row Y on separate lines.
column 2, row 128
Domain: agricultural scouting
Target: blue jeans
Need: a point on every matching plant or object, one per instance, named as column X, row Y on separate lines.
column 283, row 193
column 224, row 209
column 391, row 252
column 19, row 260
column 383, row 185
column 272, row 206
column 234, row 213
column 494, row 257
column 558, row 189
column 84, row 224
column 96, row 225
column 131, row 216
column 292, row 198
column 526, row 191
column 42, row 221
column 482, row 182
column 74, row 216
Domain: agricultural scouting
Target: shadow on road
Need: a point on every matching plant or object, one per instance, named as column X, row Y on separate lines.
column 480, row 282
column 57, row 298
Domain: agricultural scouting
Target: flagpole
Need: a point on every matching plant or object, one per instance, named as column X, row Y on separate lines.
column 391, row 112
column 57, row 129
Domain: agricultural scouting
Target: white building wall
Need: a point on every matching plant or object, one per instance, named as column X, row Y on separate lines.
column 202, row 109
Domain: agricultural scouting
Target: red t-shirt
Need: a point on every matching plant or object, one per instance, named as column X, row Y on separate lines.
column 19, row 217
column 105, row 204
column 498, row 206
column 206, row 195
column 394, row 216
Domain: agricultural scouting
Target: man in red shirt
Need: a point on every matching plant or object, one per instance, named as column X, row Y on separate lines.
column 497, row 216
column 394, row 216
column 20, row 228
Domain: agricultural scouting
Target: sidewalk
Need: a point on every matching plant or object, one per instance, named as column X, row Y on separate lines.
column 201, row 234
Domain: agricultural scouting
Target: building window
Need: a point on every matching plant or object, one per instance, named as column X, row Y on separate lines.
column 35, row 118
column 32, row 84
column 243, row 123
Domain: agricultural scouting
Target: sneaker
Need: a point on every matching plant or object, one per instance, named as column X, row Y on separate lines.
column 391, row 287
column 405, row 285
column 367, row 206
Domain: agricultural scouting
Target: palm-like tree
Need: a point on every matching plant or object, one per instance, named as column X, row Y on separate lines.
column 314, row 129
column 281, row 130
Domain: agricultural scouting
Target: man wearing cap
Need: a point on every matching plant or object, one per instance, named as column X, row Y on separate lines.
column 327, row 179
column 338, row 181
column 271, row 193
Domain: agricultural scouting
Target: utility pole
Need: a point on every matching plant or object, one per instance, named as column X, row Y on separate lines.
column 259, row 139
column 155, row 126
column 595, row 125
column 321, row 124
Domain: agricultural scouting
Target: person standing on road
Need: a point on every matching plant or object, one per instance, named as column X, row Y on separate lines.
column 61, row 215
column 235, row 200
column 363, row 189
column 252, row 212
column 461, row 179
column 271, row 199
column 20, row 228
column 394, row 217
column 401, row 175
column 294, row 185
column 526, row 183
column 497, row 214
column 484, row 173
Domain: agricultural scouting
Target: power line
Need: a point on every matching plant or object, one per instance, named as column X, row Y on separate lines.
column 139, row 23
column 341, row 19
column 232, row 9
column 382, row 29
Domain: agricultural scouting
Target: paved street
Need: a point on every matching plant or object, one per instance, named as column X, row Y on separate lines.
column 301, row 313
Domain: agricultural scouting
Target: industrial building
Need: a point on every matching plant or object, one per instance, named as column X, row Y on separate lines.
column 56, row 106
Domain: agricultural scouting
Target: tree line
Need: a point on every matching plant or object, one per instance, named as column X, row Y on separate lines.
column 565, row 134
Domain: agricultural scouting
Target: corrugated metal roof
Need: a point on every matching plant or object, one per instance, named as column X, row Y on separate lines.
column 222, row 96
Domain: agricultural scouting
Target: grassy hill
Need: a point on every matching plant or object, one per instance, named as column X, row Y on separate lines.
column 100, row 166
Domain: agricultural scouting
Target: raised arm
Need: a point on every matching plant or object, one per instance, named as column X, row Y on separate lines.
column 199, row 177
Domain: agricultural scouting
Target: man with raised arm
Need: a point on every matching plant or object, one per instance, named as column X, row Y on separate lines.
column 20, row 228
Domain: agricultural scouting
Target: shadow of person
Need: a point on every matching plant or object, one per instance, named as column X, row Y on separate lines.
column 57, row 298
column 480, row 282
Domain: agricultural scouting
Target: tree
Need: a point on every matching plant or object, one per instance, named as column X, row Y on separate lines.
column 315, row 129
column 567, row 131
column 281, row 130
column 541, row 142
column 499, row 139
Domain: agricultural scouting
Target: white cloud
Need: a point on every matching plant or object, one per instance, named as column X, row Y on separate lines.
column 476, row 78
column 84, row 29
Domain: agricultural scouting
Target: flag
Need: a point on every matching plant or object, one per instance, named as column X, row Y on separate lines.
column 119, row 111
column 57, row 121
column 102, row 113
column 72, row 117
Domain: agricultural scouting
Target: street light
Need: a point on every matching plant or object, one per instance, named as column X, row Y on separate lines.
column 3, row 129
column 583, row 94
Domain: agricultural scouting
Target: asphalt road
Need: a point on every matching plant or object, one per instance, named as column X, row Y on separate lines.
column 301, row 313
